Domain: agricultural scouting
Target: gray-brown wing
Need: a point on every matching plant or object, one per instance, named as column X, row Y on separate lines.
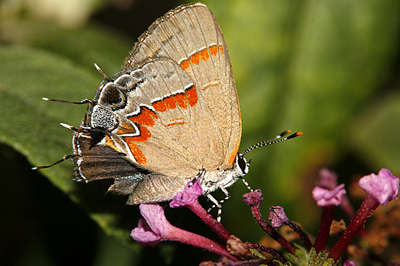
column 191, row 37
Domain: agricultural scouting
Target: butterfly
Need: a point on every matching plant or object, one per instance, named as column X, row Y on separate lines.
column 171, row 114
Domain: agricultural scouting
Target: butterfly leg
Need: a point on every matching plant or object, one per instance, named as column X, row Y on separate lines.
column 246, row 184
column 218, row 204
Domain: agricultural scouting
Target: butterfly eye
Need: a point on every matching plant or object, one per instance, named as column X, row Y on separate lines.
column 112, row 96
column 242, row 164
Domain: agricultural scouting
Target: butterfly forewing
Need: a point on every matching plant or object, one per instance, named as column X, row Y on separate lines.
column 191, row 37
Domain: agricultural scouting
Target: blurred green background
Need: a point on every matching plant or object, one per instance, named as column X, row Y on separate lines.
column 327, row 68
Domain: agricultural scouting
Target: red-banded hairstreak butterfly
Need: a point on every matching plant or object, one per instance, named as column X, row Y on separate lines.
column 170, row 115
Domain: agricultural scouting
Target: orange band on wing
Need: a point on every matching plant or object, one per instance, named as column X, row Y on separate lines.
column 136, row 152
column 144, row 135
column 145, row 117
column 170, row 102
column 160, row 106
column 185, row 64
column 180, row 99
column 234, row 153
column 213, row 50
column 195, row 59
column 203, row 55
column 191, row 95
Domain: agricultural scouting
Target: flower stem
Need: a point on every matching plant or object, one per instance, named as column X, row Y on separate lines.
column 255, row 209
column 262, row 248
column 323, row 233
column 367, row 208
column 183, row 236
column 303, row 236
column 207, row 218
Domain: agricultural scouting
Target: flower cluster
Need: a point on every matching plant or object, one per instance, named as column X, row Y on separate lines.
column 379, row 190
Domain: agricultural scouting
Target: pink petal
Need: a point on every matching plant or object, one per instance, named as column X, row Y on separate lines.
column 144, row 235
column 189, row 196
column 383, row 187
column 325, row 197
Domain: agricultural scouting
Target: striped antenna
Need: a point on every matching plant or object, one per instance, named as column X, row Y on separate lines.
column 281, row 137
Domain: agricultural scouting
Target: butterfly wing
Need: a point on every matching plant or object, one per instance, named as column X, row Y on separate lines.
column 190, row 37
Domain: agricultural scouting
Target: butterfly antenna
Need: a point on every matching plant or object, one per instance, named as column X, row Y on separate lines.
column 281, row 137
column 101, row 72
column 85, row 101
column 66, row 157
column 69, row 127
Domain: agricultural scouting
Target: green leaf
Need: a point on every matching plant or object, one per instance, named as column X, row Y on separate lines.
column 32, row 126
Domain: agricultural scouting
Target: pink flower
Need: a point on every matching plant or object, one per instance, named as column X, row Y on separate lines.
column 383, row 187
column 144, row 235
column 328, row 179
column 277, row 216
column 328, row 199
column 253, row 198
column 155, row 228
column 189, row 196
column 325, row 197
column 349, row 263
column 379, row 189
